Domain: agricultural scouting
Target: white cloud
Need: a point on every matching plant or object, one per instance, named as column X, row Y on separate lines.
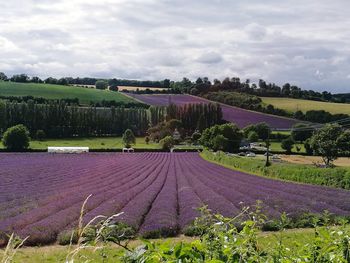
column 302, row 42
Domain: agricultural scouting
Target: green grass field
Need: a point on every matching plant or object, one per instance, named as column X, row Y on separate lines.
column 276, row 146
column 293, row 105
column 92, row 143
column 55, row 253
column 302, row 173
column 49, row 91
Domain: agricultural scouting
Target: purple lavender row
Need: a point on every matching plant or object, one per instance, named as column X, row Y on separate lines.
column 136, row 210
column 286, row 198
column 163, row 213
column 188, row 200
column 72, row 205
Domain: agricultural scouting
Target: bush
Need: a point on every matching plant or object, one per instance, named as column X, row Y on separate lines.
column 101, row 84
column 167, row 143
column 195, row 137
column 128, row 138
column 16, row 138
column 287, row 144
column 40, row 135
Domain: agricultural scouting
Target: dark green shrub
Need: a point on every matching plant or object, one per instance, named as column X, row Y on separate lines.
column 128, row 138
column 16, row 138
column 167, row 143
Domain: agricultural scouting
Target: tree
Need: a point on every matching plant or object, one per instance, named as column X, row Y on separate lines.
column 114, row 88
column 101, row 84
column 329, row 143
column 253, row 136
column 147, row 139
column 196, row 137
column 201, row 124
column 344, row 142
column 3, row 76
column 167, row 143
column 128, row 138
column 287, row 144
column 301, row 132
column 62, row 81
column 307, row 146
column 230, row 131
column 263, row 130
column 16, row 138
column 220, row 143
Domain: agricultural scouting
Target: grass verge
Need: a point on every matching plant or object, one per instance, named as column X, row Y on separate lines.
column 338, row 177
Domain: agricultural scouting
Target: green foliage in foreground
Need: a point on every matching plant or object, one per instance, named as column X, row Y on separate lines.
column 220, row 240
column 334, row 177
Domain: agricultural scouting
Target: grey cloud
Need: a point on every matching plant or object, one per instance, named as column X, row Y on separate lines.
column 210, row 58
column 302, row 42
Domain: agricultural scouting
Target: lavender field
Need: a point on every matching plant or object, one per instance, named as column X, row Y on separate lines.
column 41, row 194
column 237, row 115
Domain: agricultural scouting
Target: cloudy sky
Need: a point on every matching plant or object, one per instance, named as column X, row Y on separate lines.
column 304, row 42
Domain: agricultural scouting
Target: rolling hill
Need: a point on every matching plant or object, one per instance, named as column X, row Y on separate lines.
column 293, row 105
column 49, row 91
column 233, row 114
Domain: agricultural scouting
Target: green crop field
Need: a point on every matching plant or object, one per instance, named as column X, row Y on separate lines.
column 293, row 105
column 49, row 91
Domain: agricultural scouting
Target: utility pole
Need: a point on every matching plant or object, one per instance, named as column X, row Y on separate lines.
column 267, row 163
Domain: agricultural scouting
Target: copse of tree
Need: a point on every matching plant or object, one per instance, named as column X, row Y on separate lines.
column 16, row 138
column 330, row 142
column 262, row 129
column 226, row 137
column 101, row 84
column 23, row 78
column 128, row 138
column 164, row 129
column 59, row 120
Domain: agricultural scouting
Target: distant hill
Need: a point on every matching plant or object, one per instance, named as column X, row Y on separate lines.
column 49, row 91
column 293, row 105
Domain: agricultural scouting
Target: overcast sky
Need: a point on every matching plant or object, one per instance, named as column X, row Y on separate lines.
column 304, row 42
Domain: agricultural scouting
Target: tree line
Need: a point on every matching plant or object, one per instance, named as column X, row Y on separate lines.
column 24, row 78
column 204, row 85
column 57, row 119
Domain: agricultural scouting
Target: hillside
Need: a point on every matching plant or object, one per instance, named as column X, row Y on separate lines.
column 49, row 91
column 233, row 114
column 293, row 105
